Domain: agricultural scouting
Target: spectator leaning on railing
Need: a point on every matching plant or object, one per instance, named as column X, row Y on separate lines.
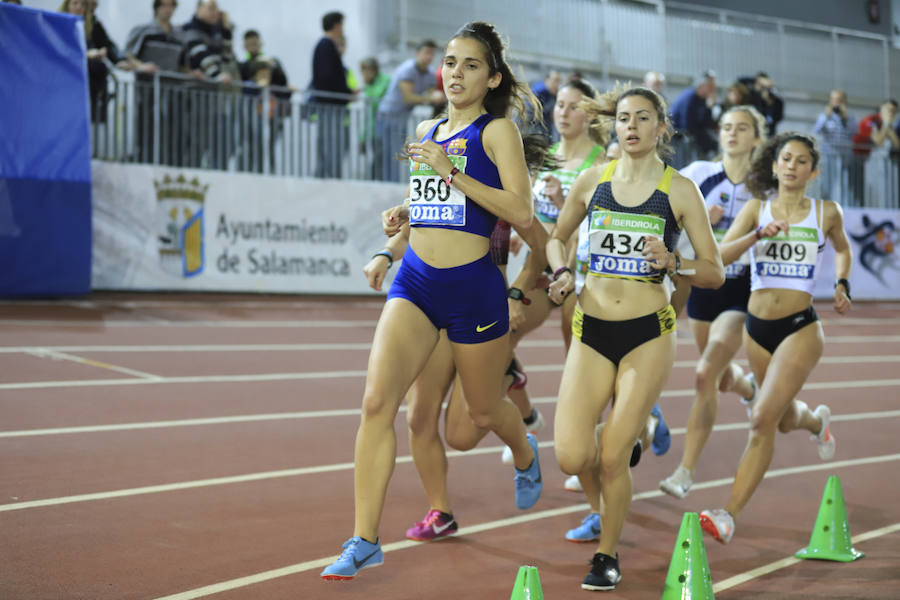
column 207, row 37
column 257, row 67
column 876, row 138
column 835, row 128
column 412, row 84
column 100, row 50
column 157, row 45
column 210, row 58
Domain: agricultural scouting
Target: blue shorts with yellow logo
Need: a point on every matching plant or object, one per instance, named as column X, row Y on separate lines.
column 469, row 301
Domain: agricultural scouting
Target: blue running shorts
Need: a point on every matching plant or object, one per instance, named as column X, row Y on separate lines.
column 469, row 301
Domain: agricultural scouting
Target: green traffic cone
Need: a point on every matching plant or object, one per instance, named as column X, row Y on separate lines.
column 528, row 585
column 830, row 539
column 688, row 577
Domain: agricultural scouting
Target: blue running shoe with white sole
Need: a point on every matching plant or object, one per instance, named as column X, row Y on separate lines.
column 358, row 554
column 588, row 531
column 528, row 482
column 662, row 438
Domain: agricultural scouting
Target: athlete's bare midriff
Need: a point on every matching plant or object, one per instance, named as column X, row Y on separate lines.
column 445, row 248
column 616, row 299
column 775, row 303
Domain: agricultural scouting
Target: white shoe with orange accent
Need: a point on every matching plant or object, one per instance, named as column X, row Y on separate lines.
column 824, row 440
column 718, row 523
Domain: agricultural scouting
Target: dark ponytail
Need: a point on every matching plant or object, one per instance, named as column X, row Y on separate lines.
column 537, row 152
column 510, row 95
column 761, row 180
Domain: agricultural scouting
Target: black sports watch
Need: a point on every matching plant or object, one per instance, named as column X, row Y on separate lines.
column 517, row 294
column 846, row 285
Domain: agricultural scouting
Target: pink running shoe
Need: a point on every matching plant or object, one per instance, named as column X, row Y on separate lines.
column 435, row 525
column 520, row 379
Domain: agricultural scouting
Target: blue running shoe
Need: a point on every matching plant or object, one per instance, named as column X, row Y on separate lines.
column 358, row 554
column 662, row 439
column 588, row 531
column 528, row 482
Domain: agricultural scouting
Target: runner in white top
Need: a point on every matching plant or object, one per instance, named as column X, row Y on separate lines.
column 786, row 235
column 717, row 316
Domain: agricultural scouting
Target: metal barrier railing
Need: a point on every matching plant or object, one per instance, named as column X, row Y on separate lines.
column 857, row 177
column 171, row 119
column 177, row 121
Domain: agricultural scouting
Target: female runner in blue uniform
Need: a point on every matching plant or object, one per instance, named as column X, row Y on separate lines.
column 466, row 171
column 783, row 337
column 717, row 316
column 427, row 393
column 622, row 342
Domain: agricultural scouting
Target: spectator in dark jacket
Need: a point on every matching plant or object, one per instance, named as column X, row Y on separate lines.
column 762, row 90
column 545, row 91
column 693, row 121
column 329, row 75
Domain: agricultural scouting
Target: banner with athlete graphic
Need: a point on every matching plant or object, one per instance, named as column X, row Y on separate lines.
column 874, row 236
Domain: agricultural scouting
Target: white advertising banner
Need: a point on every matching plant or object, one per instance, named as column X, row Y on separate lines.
column 875, row 275
column 167, row 228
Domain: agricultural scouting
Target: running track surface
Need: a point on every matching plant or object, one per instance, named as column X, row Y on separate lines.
column 195, row 446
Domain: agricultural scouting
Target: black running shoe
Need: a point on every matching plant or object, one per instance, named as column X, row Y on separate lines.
column 636, row 454
column 604, row 573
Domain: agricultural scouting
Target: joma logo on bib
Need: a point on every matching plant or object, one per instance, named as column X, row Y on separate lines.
column 431, row 214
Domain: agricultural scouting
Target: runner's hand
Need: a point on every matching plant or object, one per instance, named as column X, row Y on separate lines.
column 375, row 271
column 841, row 300
column 393, row 219
column 553, row 190
column 561, row 288
column 431, row 154
column 516, row 314
column 515, row 243
column 772, row 229
column 656, row 253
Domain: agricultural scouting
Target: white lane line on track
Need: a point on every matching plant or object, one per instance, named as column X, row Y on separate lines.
column 185, row 485
column 43, row 352
column 742, row 578
column 323, row 562
column 151, row 322
column 304, row 323
column 171, row 487
column 270, row 303
column 260, row 377
column 317, row 414
column 315, row 347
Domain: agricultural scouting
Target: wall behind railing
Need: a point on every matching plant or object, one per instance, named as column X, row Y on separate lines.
column 620, row 38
